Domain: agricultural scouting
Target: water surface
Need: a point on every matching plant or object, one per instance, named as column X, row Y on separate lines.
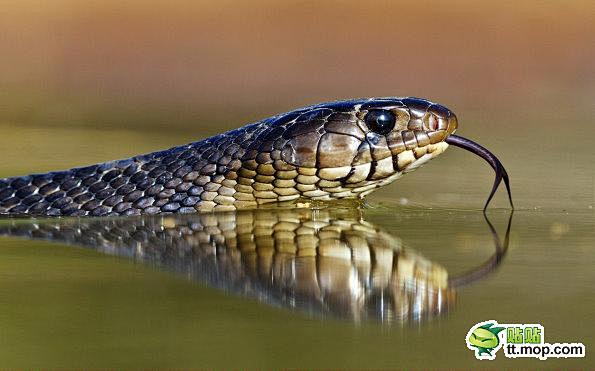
column 84, row 293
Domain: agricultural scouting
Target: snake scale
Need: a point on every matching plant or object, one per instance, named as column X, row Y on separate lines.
column 337, row 150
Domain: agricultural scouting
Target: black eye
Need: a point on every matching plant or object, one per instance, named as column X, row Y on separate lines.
column 380, row 121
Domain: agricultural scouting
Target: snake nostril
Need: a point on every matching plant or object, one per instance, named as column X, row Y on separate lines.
column 432, row 122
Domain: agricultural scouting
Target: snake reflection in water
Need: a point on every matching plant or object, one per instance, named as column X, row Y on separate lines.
column 326, row 262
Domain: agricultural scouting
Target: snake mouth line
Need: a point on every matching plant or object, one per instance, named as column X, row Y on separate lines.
column 490, row 158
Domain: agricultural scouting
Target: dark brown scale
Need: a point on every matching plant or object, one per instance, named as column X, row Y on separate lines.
column 104, row 193
column 89, row 181
column 161, row 179
column 396, row 164
column 40, row 180
column 100, row 211
column 315, row 114
column 60, row 203
column 160, row 202
column 213, row 156
column 151, row 210
column 110, row 175
column 182, row 171
column 208, row 169
column 118, row 182
column 126, row 189
column 190, row 201
column 39, row 208
column 417, row 107
column 122, row 206
column 30, row 200
column 6, row 193
column 183, row 187
column 170, row 207
column 91, row 205
column 301, row 128
column 338, row 126
column 69, row 209
column 364, row 155
column 47, row 189
column 133, row 196
column 166, row 193
column 113, row 200
column 131, row 212
column 378, row 146
column 195, row 191
column 144, row 202
column 76, row 191
column 130, row 169
column 20, row 208
column 173, row 183
column 96, row 187
column 52, row 212
column 82, row 172
column 178, row 197
column 11, row 202
column 85, row 197
column 409, row 139
column 266, row 147
column 154, row 190
column 382, row 103
column 20, row 182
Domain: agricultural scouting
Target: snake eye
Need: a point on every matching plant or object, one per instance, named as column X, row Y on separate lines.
column 380, row 121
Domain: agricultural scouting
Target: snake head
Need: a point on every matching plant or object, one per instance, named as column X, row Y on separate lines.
column 347, row 149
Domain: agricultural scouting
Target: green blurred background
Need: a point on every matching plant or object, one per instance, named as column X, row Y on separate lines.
column 88, row 81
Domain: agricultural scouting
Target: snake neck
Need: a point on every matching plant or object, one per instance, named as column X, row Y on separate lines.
column 186, row 178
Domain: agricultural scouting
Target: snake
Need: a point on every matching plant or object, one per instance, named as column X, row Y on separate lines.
column 328, row 262
column 329, row 151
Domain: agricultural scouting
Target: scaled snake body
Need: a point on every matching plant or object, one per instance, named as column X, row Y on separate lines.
column 343, row 149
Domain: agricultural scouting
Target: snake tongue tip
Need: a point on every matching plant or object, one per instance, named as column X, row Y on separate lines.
column 482, row 152
column 507, row 184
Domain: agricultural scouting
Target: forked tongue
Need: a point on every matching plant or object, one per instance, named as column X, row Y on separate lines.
column 475, row 148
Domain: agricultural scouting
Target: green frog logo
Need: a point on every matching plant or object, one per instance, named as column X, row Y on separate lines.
column 484, row 340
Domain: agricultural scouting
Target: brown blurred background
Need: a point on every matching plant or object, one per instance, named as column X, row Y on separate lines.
column 519, row 74
column 86, row 81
